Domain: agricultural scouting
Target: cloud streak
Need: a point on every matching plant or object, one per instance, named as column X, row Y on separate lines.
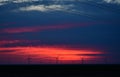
column 11, row 42
column 68, row 6
column 52, row 49
column 47, row 53
column 43, row 28
column 52, row 2
column 46, row 8
column 112, row 1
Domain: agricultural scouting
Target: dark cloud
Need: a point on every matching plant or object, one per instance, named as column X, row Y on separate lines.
column 6, row 51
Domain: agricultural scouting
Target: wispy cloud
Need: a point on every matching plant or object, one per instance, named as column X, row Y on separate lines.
column 112, row 1
column 3, row 2
column 42, row 28
column 67, row 6
column 44, row 8
column 7, row 42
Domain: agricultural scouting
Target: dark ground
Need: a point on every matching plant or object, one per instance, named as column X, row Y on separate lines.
column 60, row 70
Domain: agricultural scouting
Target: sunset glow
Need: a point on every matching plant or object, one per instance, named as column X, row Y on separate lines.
column 53, row 53
column 59, row 32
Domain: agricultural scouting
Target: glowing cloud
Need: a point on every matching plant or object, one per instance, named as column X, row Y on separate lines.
column 52, row 52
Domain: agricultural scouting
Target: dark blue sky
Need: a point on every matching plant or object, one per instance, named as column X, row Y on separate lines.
column 84, row 23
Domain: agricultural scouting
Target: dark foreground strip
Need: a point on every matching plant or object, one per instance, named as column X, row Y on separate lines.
column 60, row 70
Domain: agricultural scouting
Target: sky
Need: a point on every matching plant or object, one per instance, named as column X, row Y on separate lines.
column 64, row 29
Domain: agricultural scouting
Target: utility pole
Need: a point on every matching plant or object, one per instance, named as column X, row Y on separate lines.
column 82, row 60
column 57, row 59
column 29, row 59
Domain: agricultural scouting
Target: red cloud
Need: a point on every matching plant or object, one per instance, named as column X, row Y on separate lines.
column 42, row 28
column 51, row 51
